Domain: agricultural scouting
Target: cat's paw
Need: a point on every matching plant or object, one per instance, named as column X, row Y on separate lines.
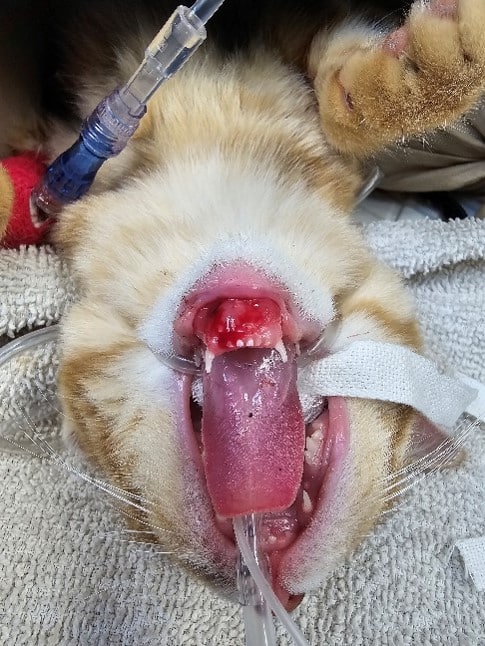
column 428, row 73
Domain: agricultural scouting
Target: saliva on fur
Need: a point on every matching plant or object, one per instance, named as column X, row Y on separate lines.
column 223, row 232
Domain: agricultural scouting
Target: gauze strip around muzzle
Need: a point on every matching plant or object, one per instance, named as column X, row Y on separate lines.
column 388, row 372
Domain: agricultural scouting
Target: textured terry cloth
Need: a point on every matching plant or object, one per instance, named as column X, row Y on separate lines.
column 444, row 264
column 69, row 575
column 35, row 288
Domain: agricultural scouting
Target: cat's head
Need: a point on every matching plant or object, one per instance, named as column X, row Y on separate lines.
column 229, row 254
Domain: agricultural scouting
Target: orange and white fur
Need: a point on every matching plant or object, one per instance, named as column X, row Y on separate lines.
column 239, row 185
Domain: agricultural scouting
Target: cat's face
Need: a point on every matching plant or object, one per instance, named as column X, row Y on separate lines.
column 226, row 257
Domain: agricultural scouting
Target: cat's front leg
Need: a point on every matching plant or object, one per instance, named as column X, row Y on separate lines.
column 374, row 90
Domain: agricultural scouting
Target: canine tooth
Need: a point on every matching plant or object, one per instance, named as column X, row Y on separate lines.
column 311, row 444
column 281, row 350
column 250, row 343
column 311, row 448
column 317, row 435
column 307, row 503
column 240, row 343
column 208, row 359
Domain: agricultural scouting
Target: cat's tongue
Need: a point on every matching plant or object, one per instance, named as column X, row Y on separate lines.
column 253, row 432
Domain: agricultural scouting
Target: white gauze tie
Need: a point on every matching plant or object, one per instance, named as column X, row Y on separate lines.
column 388, row 372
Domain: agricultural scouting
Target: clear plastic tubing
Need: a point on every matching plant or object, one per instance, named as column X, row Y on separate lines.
column 257, row 617
column 27, row 342
column 106, row 132
column 256, row 594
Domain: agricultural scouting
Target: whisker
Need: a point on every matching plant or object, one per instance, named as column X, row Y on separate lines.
column 24, row 449
column 48, row 400
column 125, row 513
column 391, row 510
column 112, row 490
column 426, row 457
column 402, row 489
column 385, row 19
column 128, row 531
column 154, row 552
column 152, row 548
column 102, row 483
column 414, row 471
column 429, row 467
column 36, row 440
column 119, row 536
column 421, row 463
column 27, row 425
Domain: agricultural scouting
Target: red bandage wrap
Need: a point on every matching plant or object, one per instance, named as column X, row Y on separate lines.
column 20, row 174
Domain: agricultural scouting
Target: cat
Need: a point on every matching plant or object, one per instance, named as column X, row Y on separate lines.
column 223, row 232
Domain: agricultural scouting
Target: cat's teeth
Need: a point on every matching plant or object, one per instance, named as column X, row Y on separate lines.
column 317, row 435
column 250, row 342
column 281, row 350
column 307, row 503
column 312, row 444
column 208, row 359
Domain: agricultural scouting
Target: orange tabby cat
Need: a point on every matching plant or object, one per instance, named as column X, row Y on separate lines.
column 223, row 232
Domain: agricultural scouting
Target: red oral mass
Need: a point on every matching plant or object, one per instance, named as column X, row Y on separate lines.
column 239, row 322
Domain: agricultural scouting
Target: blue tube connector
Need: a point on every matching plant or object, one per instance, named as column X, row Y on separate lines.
column 106, row 132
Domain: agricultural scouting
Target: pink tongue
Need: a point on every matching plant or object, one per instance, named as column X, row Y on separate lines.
column 253, row 432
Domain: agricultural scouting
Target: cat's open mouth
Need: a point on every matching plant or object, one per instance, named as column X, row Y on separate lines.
column 281, row 529
column 257, row 448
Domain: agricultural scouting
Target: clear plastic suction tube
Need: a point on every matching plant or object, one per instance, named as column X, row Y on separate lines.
column 256, row 612
column 174, row 44
column 258, row 622
column 205, row 9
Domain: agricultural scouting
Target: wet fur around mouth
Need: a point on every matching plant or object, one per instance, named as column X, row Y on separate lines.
column 230, row 163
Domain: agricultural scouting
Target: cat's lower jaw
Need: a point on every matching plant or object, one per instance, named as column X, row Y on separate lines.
column 326, row 447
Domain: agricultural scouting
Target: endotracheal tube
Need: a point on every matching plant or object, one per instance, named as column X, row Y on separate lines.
column 255, row 593
column 106, row 132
